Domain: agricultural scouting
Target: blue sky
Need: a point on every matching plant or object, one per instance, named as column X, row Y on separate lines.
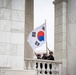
column 44, row 9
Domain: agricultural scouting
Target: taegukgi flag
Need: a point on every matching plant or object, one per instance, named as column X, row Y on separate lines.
column 37, row 37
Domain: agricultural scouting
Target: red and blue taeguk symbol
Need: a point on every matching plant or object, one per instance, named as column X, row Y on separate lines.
column 40, row 36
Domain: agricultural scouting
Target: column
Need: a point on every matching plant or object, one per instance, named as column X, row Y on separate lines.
column 17, row 34
column 60, row 32
column 12, row 34
column 5, row 13
column 28, row 53
column 71, row 37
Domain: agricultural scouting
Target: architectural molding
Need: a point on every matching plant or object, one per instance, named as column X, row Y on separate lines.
column 58, row 1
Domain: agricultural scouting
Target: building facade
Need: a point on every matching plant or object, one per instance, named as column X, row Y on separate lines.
column 14, row 29
column 16, row 21
column 65, row 34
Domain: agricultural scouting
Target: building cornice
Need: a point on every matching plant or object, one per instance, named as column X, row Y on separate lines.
column 58, row 1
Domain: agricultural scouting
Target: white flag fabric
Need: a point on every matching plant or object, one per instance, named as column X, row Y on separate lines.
column 37, row 37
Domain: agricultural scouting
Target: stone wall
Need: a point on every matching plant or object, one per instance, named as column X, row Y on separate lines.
column 60, row 32
column 65, row 34
column 71, row 37
column 12, row 33
column 18, row 72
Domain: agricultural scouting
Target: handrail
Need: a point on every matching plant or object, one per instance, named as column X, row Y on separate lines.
column 40, row 60
column 30, row 63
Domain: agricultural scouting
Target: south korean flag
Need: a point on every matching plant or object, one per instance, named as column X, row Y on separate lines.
column 37, row 37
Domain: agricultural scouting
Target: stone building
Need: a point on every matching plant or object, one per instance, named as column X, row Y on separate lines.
column 12, row 29
column 16, row 21
column 65, row 34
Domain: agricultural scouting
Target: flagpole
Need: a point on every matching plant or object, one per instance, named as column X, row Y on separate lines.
column 46, row 40
column 46, row 48
column 35, row 53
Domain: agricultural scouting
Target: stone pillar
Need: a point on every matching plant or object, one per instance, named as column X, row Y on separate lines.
column 17, row 33
column 28, row 53
column 12, row 34
column 71, row 37
column 5, row 32
column 60, row 32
